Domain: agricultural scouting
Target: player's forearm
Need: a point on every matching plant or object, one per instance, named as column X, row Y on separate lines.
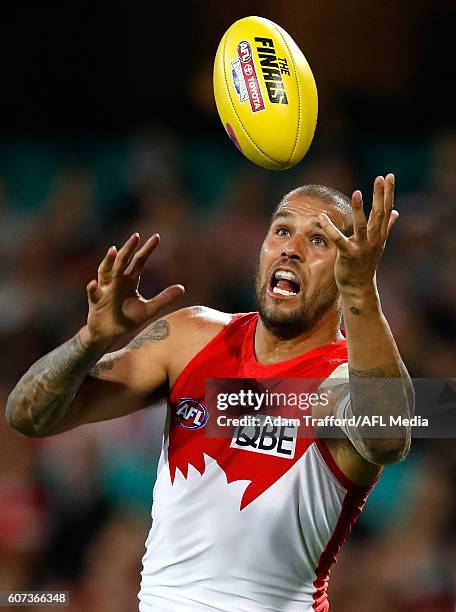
column 380, row 385
column 43, row 396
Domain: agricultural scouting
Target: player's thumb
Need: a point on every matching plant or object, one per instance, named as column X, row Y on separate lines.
column 392, row 220
column 165, row 297
column 92, row 292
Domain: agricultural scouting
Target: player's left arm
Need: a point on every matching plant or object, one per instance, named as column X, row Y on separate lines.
column 379, row 385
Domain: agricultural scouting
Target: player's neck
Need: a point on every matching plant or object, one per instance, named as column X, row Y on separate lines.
column 270, row 348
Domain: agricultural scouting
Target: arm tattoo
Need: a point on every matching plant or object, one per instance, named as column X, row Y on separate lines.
column 102, row 366
column 381, row 392
column 153, row 333
column 44, row 394
column 156, row 332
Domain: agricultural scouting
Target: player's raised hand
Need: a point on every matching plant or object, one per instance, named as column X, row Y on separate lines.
column 116, row 308
column 358, row 256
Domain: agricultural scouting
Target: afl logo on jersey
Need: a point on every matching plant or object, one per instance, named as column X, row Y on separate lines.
column 191, row 413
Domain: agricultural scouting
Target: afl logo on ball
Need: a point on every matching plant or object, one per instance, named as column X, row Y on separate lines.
column 244, row 51
column 191, row 413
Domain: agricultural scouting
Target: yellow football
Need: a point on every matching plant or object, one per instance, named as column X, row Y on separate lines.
column 265, row 93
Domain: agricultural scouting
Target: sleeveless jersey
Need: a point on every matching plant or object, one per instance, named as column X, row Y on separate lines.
column 235, row 530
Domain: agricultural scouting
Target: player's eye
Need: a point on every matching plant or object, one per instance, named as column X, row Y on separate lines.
column 318, row 241
column 282, row 231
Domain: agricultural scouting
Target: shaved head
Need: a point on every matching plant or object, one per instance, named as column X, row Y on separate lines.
column 326, row 195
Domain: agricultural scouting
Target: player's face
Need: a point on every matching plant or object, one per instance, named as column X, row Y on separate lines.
column 295, row 283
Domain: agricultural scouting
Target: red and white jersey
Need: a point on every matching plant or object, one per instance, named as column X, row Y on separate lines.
column 236, row 530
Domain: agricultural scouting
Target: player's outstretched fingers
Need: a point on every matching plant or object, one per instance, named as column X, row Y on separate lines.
column 359, row 218
column 163, row 298
column 333, row 233
column 139, row 261
column 377, row 214
column 105, row 268
column 125, row 254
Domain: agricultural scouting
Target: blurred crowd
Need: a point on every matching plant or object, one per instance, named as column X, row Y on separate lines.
column 75, row 509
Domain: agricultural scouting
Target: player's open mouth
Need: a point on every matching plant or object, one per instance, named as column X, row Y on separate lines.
column 283, row 284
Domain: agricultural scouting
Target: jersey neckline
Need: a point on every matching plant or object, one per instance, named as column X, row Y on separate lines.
column 250, row 359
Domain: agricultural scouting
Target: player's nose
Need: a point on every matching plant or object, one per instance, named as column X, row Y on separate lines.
column 293, row 249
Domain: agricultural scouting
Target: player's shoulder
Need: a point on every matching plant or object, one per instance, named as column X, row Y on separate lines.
column 200, row 321
column 339, row 375
column 191, row 329
column 181, row 328
column 200, row 316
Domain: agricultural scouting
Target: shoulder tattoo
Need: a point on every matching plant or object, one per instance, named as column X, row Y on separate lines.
column 159, row 330
column 102, row 366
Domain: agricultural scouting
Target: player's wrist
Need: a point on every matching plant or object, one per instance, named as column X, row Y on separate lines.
column 93, row 343
column 364, row 298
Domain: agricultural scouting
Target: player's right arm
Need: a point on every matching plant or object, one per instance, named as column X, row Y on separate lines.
column 81, row 381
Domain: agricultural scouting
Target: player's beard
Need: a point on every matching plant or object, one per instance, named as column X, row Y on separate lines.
column 301, row 319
